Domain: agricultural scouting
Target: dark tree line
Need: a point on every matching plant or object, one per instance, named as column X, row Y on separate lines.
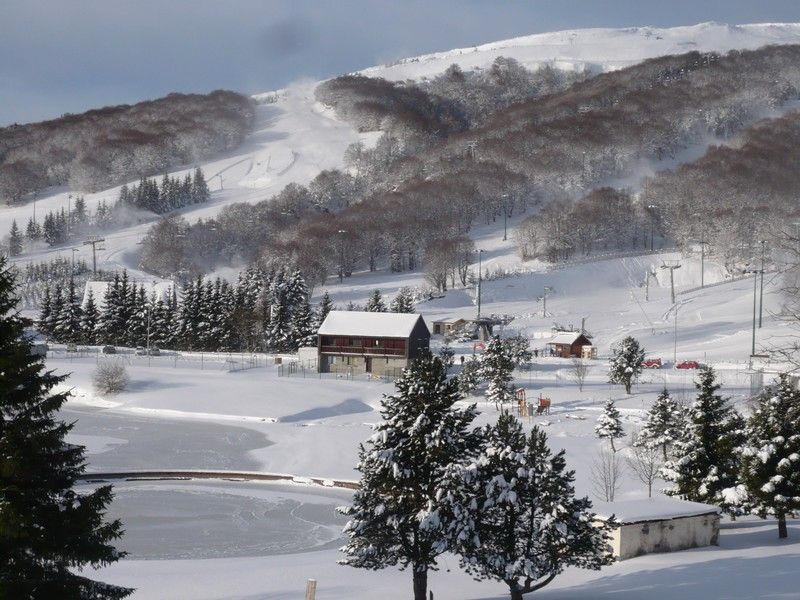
column 63, row 226
column 103, row 147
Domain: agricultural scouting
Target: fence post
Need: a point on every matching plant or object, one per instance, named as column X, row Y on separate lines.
column 311, row 589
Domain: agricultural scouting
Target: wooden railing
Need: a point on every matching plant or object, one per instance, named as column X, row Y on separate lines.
column 368, row 350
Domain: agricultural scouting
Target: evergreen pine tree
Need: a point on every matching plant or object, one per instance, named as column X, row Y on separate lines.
column 14, row 240
column 108, row 331
column 513, row 513
column 704, row 460
column 89, row 320
column 33, row 231
column 48, row 530
column 79, row 215
column 393, row 519
column 626, row 363
column 56, row 313
column 609, row 424
column 770, row 470
column 325, row 306
column 303, row 331
column 137, row 322
column 663, row 425
column 68, row 324
column 200, row 192
column 45, row 314
column 403, row 302
column 375, row 302
column 497, row 368
column 470, row 376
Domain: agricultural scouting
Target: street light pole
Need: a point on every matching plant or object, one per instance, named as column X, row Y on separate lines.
column 341, row 233
column 480, row 277
column 505, row 217
column 761, row 293
column 755, row 299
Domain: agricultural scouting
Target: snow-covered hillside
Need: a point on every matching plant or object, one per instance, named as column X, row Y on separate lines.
column 295, row 138
column 604, row 49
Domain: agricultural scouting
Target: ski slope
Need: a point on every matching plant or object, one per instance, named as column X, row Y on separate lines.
column 295, row 138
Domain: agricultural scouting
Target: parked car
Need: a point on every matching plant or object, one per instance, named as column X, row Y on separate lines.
column 140, row 351
column 688, row 364
column 652, row 363
column 109, row 350
column 154, row 351
column 72, row 348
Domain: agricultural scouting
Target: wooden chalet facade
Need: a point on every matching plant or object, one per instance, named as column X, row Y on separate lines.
column 571, row 344
column 370, row 342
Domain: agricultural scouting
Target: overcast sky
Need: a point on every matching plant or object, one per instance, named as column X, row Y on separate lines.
column 60, row 56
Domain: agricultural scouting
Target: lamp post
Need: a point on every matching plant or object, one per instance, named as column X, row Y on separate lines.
column 480, row 277
column 755, row 273
column 341, row 233
column 505, row 217
column 761, row 292
column 547, row 290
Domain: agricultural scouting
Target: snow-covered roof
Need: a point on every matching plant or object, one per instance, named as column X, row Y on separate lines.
column 162, row 290
column 652, row 509
column 565, row 337
column 380, row 324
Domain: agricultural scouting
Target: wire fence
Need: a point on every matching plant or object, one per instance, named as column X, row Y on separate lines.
column 309, row 369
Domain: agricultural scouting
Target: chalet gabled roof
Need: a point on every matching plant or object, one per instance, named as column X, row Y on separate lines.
column 369, row 324
column 566, row 337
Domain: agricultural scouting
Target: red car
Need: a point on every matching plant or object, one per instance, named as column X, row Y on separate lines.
column 688, row 364
column 652, row 363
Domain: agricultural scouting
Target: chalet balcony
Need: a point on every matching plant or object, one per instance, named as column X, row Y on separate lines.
column 363, row 350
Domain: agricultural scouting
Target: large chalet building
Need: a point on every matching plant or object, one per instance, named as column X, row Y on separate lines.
column 370, row 342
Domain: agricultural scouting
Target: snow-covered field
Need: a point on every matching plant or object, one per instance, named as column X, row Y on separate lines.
column 177, row 416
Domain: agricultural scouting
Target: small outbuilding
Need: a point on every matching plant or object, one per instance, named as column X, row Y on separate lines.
column 447, row 326
column 571, row 344
column 356, row 342
column 660, row 525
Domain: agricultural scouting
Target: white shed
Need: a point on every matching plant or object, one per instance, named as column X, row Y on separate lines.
column 660, row 525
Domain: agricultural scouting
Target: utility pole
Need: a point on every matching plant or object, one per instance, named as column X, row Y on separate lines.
column 341, row 233
column 675, row 341
column 69, row 213
column 652, row 208
column 761, row 293
column 755, row 273
column 505, row 217
column 648, row 274
column 480, row 277
column 72, row 261
column 702, row 259
column 93, row 241
column 671, row 265
column 547, row 290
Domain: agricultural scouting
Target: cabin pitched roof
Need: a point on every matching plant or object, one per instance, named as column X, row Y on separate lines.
column 370, row 324
column 567, row 337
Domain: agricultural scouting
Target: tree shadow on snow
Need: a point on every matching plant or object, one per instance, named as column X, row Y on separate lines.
column 348, row 407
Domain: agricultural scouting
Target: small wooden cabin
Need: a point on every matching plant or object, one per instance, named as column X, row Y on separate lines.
column 571, row 344
column 447, row 326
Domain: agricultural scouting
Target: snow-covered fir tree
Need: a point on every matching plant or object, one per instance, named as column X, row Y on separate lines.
column 200, row 192
column 446, row 354
column 403, row 302
column 471, row 375
column 513, row 515
column 57, row 304
column 663, row 425
column 89, row 320
column 303, row 332
column 14, row 240
column 325, row 306
column 46, row 314
column 279, row 334
column 519, row 349
column 626, row 363
column 770, row 469
column 52, row 532
column 375, row 302
column 705, row 459
column 497, row 366
column 394, row 518
column 609, row 424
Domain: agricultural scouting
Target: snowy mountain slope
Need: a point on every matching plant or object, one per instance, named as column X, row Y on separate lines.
column 605, row 49
column 295, row 138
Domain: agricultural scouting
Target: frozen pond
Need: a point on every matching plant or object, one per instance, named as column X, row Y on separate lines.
column 120, row 442
column 216, row 519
